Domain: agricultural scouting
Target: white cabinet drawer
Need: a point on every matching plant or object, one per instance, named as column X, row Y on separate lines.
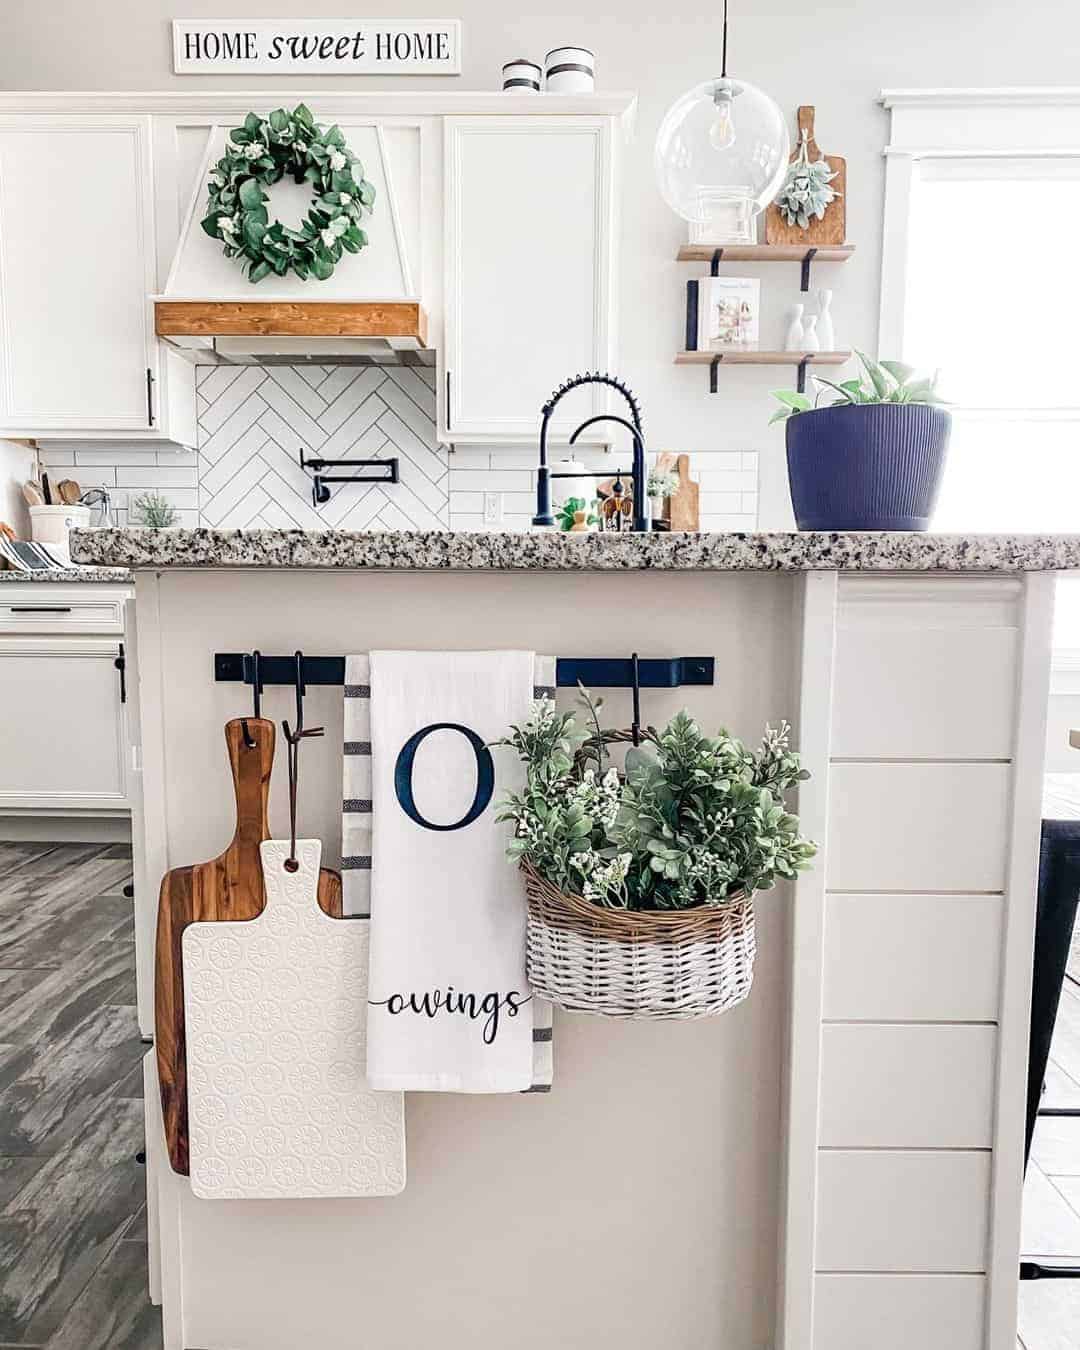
column 907, row 1086
column 917, row 958
column 899, row 1312
column 900, row 1211
column 42, row 607
column 924, row 693
column 918, row 827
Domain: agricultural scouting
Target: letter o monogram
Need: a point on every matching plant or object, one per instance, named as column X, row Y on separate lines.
column 485, row 776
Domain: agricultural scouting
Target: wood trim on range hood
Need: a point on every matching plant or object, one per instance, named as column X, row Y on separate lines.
column 280, row 318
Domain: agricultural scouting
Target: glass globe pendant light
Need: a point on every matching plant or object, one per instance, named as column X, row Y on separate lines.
column 721, row 153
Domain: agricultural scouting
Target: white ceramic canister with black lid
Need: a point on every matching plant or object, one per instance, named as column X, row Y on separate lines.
column 521, row 77
column 570, row 70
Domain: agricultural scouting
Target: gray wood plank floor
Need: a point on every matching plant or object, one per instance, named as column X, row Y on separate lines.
column 72, row 1195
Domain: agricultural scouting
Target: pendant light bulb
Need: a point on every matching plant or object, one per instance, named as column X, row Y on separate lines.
column 722, row 130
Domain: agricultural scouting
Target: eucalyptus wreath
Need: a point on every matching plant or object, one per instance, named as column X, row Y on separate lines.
column 258, row 155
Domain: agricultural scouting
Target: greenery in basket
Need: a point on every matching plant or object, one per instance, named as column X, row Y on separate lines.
column 258, row 155
column 693, row 819
column 884, row 382
column 153, row 511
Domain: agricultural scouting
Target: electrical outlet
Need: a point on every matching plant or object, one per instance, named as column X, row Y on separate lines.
column 493, row 509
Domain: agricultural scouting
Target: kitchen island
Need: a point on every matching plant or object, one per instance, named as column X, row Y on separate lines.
column 835, row 1164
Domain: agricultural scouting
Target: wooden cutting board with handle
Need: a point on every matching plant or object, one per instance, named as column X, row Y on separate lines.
column 230, row 886
column 832, row 227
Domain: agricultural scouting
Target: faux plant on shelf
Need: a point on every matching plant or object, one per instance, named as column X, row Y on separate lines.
column 153, row 511
column 806, row 193
column 881, row 382
column 693, row 820
column 258, row 155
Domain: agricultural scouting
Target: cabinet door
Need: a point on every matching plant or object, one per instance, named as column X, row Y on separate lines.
column 529, row 255
column 64, row 735
column 75, row 275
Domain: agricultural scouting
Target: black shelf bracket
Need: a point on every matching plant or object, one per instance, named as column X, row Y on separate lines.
column 714, row 264
column 570, row 671
column 800, row 382
column 811, row 253
column 714, row 365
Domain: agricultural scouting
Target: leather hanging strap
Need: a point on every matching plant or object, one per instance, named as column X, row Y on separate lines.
column 293, row 740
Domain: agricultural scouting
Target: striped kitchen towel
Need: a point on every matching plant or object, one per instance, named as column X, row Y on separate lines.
column 356, row 826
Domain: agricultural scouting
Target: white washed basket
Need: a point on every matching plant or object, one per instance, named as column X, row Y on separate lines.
column 633, row 963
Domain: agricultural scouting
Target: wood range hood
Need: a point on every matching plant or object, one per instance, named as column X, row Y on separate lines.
column 368, row 311
column 292, row 331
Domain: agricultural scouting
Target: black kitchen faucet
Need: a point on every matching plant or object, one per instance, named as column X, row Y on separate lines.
column 544, row 474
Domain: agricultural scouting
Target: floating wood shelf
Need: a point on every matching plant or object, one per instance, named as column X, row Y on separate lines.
column 715, row 254
column 760, row 358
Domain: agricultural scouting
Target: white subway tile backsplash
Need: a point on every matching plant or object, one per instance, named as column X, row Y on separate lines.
column 253, row 422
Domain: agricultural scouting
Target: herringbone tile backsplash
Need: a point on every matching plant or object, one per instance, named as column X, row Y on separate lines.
column 254, row 421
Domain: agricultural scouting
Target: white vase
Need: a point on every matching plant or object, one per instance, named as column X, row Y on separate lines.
column 811, row 342
column 793, row 341
column 825, row 331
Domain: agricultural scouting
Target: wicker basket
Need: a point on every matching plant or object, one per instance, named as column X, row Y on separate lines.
column 625, row 963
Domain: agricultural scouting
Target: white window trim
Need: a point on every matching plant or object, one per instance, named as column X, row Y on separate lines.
column 958, row 124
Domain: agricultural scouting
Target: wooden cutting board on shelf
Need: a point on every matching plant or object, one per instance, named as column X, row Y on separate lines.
column 682, row 511
column 832, row 227
column 230, row 886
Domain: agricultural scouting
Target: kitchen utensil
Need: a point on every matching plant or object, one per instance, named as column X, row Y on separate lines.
column 46, row 490
column 68, row 491
column 295, row 985
column 683, row 507
column 6, row 532
column 32, row 494
column 832, row 227
column 230, row 886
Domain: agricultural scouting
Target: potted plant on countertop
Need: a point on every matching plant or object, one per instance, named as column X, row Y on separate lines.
column 660, row 485
column 152, row 511
column 640, row 883
column 872, row 459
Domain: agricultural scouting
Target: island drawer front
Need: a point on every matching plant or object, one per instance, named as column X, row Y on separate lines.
column 48, row 609
column 918, row 827
column 899, row 1312
column 918, row 958
column 926, row 670
column 903, row 1211
column 907, row 1086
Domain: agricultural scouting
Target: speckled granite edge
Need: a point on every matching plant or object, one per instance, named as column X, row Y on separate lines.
column 109, row 576
column 153, row 549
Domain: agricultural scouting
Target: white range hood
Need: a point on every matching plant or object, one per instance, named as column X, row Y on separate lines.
column 369, row 311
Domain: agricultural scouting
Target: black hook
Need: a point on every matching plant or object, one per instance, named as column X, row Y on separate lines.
column 256, row 683
column 293, row 739
column 635, row 725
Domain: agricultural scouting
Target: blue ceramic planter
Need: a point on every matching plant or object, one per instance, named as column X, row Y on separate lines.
column 873, row 467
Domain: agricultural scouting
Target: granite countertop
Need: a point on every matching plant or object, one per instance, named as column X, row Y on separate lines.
column 437, row 551
column 100, row 575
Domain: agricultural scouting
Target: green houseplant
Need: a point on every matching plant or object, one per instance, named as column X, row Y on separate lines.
column 640, row 881
column 153, row 511
column 872, row 457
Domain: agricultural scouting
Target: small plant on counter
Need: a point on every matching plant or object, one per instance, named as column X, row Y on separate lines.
column 153, row 511
column 884, row 382
column 693, row 821
column 662, row 483
column 565, row 515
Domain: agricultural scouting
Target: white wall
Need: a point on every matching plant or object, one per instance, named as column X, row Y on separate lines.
column 835, row 55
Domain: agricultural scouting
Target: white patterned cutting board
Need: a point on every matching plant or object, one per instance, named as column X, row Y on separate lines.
column 276, row 1016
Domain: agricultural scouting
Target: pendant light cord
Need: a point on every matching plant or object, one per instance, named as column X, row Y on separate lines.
column 723, row 49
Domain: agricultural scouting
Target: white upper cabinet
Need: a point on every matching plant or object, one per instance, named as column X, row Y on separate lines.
column 529, row 256
column 77, row 348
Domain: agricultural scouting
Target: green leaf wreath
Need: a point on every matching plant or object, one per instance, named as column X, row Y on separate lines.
column 258, row 155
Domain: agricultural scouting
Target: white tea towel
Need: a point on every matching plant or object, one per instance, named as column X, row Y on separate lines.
column 356, row 827
column 449, row 1005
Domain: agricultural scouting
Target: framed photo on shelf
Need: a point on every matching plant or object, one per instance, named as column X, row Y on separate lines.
column 723, row 312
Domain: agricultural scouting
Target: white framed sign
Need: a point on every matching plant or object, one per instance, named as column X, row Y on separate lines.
column 317, row 46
